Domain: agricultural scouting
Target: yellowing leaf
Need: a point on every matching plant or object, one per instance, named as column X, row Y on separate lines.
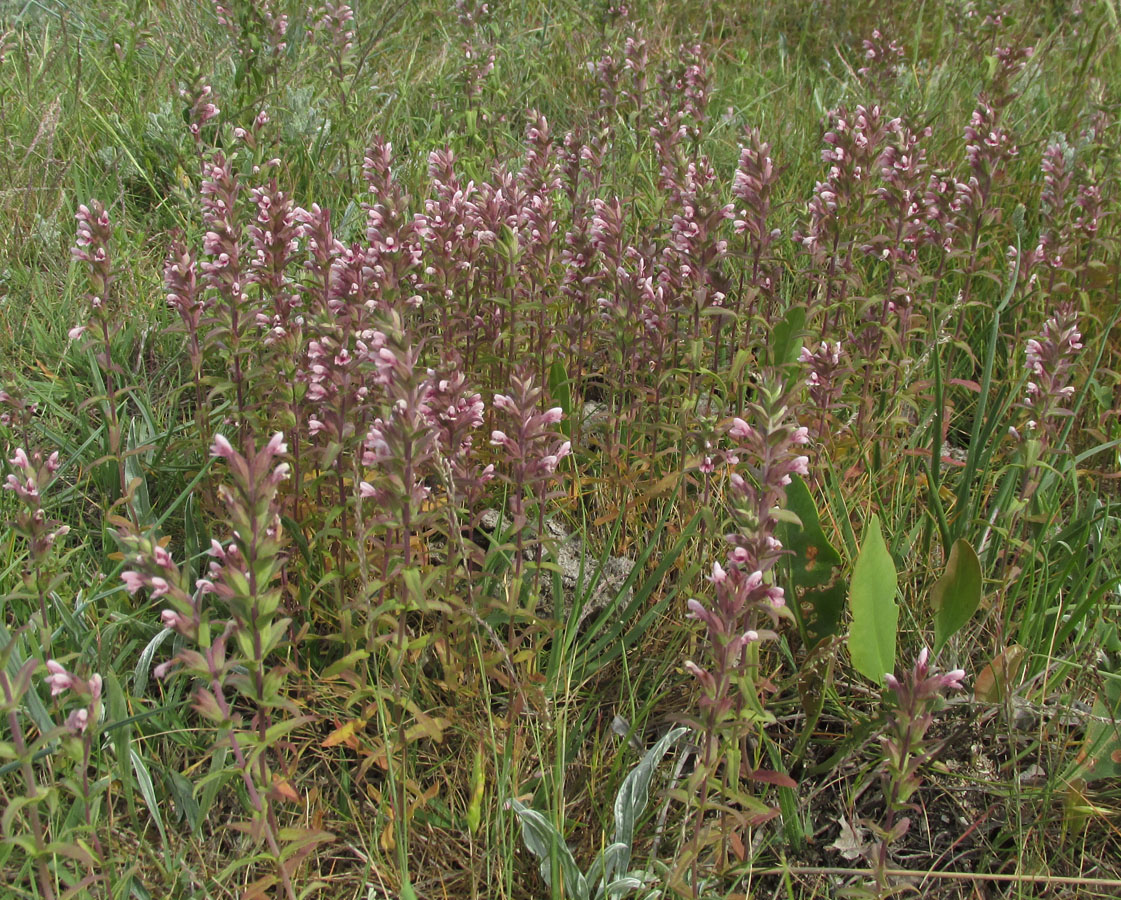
column 957, row 594
column 282, row 790
column 994, row 681
column 427, row 726
column 344, row 733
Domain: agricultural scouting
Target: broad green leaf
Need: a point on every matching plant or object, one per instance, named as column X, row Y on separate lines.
column 827, row 604
column 957, row 594
column 560, row 389
column 786, row 337
column 813, row 557
column 1100, row 756
column 875, row 614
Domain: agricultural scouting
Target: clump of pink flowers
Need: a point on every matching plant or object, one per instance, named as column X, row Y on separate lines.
column 906, row 747
column 1050, row 358
column 765, row 453
column 61, row 681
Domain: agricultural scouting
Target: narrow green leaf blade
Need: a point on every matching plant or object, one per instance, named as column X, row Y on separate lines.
column 542, row 840
column 875, row 614
column 957, row 594
column 632, row 797
column 148, row 792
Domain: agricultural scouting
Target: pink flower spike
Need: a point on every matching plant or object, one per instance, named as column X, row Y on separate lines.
column 95, row 686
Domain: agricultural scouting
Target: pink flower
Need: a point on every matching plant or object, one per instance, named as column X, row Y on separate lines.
column 740, row 429
column 953, row 679
column 134, row 581
column 705, row 678
column 59, row 680
column 78, row 720
column 276, row 445
column 222, row 447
